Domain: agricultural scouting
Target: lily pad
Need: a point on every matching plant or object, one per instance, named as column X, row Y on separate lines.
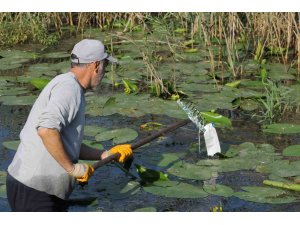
column 181, row 190
column 146, row 209
column 13, row 91
column 12, row 145
column 56, row 55
column 123, row 135
column 92, row 131
column 282, row 128
column 150, row 175
column 3, row 175
column 39, row 83
column 293, row 150
column 265, row 195
column 118, row 191
column 249, row 105
column 218, row 189
column 93, row 144
column 3, row 191
column 190, row 171
column 20, row 100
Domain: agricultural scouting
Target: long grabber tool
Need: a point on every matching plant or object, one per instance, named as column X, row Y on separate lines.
column 142, row 142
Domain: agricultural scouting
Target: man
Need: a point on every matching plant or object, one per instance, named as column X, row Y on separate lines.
column 42, row 174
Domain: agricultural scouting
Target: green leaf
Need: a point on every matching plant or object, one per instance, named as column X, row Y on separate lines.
column 92, row 131
column 39, row 83
column 150, row 175
column 123, row 135
column 281, row 128
column 265, row 195
column 190, row 171
column 181, row 190
column 129, row 86
column 93, row 144
column 218, row 189
column 12, row 145
column 234, row 84
column 293, row 150
column 211, row 117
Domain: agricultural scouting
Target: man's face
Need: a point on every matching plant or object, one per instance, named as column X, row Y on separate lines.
column 99, row 74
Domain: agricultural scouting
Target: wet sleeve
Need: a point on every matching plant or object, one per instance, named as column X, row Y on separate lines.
column 63, row 105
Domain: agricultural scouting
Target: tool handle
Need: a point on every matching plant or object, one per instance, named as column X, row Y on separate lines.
column 142, row 142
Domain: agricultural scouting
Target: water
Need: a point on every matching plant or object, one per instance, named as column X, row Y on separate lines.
column 97, row 197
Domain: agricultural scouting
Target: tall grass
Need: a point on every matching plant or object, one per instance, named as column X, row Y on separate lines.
column 237, row 36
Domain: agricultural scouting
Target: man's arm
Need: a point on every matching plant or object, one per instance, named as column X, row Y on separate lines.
column 53, row 143
column 88, row 153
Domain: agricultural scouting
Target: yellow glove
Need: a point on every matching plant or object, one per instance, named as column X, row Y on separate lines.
column 125, row 152
column 82, row 172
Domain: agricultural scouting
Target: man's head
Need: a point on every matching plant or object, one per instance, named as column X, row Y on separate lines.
column 88, row 59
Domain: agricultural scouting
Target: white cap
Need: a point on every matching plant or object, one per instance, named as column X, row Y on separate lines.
column 88, row 51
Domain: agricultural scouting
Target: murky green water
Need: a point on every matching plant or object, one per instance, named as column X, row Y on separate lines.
column 110, row 189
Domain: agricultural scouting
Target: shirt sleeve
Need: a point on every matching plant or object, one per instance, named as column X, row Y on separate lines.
column 63, row 105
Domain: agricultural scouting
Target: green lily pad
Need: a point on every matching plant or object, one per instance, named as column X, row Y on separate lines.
column 146, row 209
column 123, row 135
column 249, row 105
column 160, row 159
column 93, row 144
column 20, row 100
column 17, row 54
column 265, row 195
column 218, row 189
column 281, row 128
column 281, row 168
column 56, row 55
column 293, row 150
column 118, row 191
column 13, row 91
column 190, row 171
column 39, row 83
column 150, row 175
column 12, row 145
column 211, row 117
column 92, row 131
column 3, row 175
column 181, row 190
column 3, row 191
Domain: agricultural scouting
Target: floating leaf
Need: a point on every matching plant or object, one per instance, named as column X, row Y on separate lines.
column 218, row 189
column 190, row 171
column 18, row 100
column 92, row 131
column 293, row 150
column 39, row 83
column 118, row 191
column 3, row 191
column 181, row 190
column 211, row 117
column 150, row 175
column 234, row 84
column 118, row 136
column 146, row 209
column 93, row 144
column 12, row 145
column 282, row 128
column 3, row 175
column 129, row 86
column 150, row 126
column 56, row 55
column 265, row 195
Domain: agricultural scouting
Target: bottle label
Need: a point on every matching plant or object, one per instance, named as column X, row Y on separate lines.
column 211, row 140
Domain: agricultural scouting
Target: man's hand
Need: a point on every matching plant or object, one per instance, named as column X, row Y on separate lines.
column 125, row 152
column 82, row 172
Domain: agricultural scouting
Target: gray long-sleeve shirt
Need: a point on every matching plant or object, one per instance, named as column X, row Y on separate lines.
column 61, row 105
